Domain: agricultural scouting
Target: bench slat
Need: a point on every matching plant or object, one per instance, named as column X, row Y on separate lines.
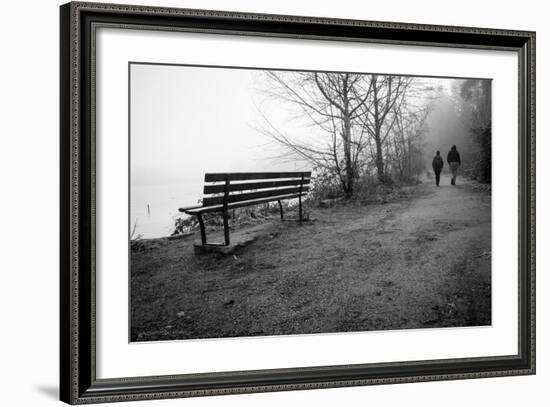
column 220, row 188
column 215, row 200
column 234, row 205
column 244, row 176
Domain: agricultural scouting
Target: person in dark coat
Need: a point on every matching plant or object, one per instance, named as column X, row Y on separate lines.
column 437, row 165
column 453, row 158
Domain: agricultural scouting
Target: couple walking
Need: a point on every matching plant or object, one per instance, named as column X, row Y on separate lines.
column 453, row 158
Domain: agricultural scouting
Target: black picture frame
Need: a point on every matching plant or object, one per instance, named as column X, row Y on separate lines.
column 78, row 382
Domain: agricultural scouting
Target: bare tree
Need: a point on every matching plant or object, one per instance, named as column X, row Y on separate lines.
column 357, row 113
column 333, row 102
column 404, row 148
column 378, row 113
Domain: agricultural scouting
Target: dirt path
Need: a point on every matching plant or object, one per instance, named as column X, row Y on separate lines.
column 418, row 262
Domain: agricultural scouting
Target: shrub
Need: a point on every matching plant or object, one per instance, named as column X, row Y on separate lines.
column 324, row 186
column 184, row 225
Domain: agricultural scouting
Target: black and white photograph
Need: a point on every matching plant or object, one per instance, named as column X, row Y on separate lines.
column 275, row 203
column 287, row 202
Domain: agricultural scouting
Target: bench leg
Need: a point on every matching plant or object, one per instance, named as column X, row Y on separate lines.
column 226, row 227
column 300, row 206
column 281, row 209
column 203, row 231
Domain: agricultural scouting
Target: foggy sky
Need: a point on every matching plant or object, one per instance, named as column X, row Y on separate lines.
column 186, row 121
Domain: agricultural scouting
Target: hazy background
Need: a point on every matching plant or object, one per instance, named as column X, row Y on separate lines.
column 186, row 121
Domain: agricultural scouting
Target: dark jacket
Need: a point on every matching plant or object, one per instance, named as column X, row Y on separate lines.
column 453, row 157
column 437, row 163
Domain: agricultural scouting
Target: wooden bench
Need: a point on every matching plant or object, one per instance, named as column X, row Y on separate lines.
column 224, row 191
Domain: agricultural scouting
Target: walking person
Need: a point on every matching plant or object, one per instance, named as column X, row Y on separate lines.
column 453, row 158
column 437, row 165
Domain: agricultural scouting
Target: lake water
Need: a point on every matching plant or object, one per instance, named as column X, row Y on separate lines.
column 154, row 208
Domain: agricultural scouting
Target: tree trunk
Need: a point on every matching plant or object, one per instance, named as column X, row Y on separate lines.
column 381, row 174
column 350, row 176
column 377, row 137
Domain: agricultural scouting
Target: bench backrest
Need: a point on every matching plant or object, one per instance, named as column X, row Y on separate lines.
column 224, row 188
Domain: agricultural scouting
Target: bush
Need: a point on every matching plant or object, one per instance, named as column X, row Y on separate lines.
column 183, row 225
column 324, row 186
column 326, row 190
column 237, row 217
column 366, row 188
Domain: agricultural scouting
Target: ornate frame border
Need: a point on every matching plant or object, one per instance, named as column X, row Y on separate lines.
column 78, row 382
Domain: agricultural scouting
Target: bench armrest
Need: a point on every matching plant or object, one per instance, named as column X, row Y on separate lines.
column 186, row 208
